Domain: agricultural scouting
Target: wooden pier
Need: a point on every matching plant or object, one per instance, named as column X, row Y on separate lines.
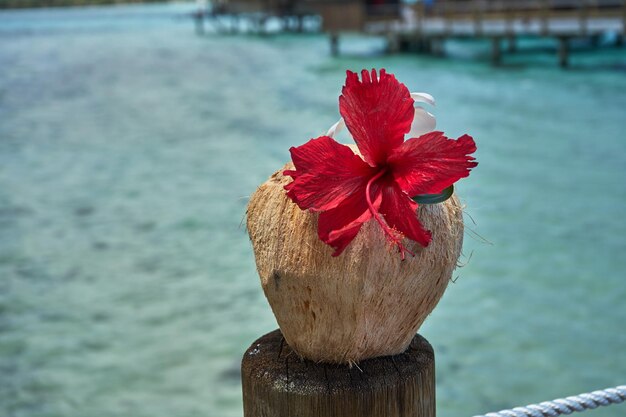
column 425, row 29
column 253, row 16
column 422, row 28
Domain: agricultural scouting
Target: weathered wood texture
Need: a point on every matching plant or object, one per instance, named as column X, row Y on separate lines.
column 278, row 383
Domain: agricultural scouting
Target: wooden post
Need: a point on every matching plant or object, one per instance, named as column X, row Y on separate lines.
column 563, row 51
column 623, row 18
column 478, row 17
column 509, row 20
column 438, row 46
column 393, row 42
column 334, row 44
column 425, row 45
column 198, row 17
column 447, row 18
column 277, row 383
column 234, row 23
column 405, row 43
column 420, row 12
column 545, row 17
column 511, row 43
column 299, row 23
column 496, row 51
column 584, row 17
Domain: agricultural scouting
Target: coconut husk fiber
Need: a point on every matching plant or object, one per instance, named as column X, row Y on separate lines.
column 366, row 302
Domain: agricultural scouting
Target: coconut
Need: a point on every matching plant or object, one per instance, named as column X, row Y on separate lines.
column 365, row 303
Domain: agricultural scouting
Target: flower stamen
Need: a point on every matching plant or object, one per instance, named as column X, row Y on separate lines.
column 391, row 234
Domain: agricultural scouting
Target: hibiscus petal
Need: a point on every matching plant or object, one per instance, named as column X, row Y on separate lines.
column 432, row 162
column 339, row 226
column 326, row 174
column 400, row 213
column 336, row 128
column 423, row 123
column 423, row 98
column 377, row 111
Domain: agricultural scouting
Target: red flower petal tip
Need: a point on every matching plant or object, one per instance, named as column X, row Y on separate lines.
column 349, row 190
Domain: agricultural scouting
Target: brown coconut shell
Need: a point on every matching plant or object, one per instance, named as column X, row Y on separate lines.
column 366, row 302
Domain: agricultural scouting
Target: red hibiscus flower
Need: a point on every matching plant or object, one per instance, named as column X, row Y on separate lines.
column 349, row 190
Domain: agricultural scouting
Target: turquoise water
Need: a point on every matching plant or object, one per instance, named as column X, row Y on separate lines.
column 128, row 147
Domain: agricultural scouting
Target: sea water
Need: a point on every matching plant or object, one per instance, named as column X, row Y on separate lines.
column 129, row 147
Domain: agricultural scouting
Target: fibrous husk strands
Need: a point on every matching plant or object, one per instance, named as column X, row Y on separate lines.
column 366, row 302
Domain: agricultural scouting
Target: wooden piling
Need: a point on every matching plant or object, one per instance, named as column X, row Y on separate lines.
column 478, row 17
column 198, row 17
column 447, row 17
column 511, row 44
column 277, row 383
column 545, row 17
column 563, row 51
column 420, row 13
column 393, row 43
column 234, row 23
column 334, row 44
column 584, row 17
column 437, row 46
column 424, row 45
column 624, row 18
column 299, row 23
column 496, row 51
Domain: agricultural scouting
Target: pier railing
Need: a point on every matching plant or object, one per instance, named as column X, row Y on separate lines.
column 482, row 12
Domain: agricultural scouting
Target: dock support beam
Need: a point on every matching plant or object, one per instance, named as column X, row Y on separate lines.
column 299, row 23
column 478, row 18
column 334, row 44
column 393, row 43
column 423, row 45
column 496, row 51
column 198, row 17
column 545, row 17
column 277, row 383
column 511, row 43
column 563, row 52
column 438, row 47
column 584, row 18
column 234, row 23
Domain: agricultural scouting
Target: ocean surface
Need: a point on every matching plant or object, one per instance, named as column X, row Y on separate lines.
column 129, row 147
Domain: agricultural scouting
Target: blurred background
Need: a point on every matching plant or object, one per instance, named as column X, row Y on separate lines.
column 129, row 145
